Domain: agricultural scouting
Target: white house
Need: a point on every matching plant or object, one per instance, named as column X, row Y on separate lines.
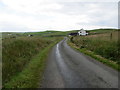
column 9, row 34
column 82, row 32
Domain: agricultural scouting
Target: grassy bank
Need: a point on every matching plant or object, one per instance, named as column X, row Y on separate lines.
column 23, row 60
column 31, row 76
column 102, row 47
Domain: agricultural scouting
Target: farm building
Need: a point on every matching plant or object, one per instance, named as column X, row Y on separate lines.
column 30, row 35
column 82, row 32
column 73, row 34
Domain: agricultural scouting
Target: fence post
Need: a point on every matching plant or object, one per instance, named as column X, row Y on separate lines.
column 111, row 36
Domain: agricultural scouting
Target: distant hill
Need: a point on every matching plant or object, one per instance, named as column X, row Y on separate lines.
column 50, row 33
column 100, row 31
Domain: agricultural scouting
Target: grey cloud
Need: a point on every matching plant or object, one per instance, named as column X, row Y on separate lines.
column 8, row 27
column 97, row 14
column 105, row 14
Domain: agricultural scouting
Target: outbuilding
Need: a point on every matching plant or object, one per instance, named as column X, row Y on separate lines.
column 82, row 32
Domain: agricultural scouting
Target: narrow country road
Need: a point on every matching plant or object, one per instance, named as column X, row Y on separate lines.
column 67, row 68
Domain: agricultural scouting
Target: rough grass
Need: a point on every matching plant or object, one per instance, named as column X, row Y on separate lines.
column 102, row 45
column 31, row 76
column 18, row 52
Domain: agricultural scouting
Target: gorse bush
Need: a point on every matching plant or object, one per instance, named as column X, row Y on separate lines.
column 104, row 47
column 18, row 52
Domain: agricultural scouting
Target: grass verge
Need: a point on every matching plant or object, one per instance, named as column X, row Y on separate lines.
column 110, row 63
column 31, row 76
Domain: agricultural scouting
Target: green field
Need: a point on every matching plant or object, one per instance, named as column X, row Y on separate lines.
column 5, row 35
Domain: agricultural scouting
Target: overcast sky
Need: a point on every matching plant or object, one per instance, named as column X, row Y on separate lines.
column 62, row 15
